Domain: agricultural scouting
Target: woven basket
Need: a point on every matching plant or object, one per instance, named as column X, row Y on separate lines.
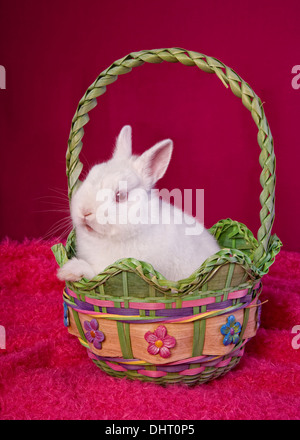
column 197, row 327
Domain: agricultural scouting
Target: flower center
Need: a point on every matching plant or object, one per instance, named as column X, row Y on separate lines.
column 93, row 334
column 159, row 343
column 232, row 331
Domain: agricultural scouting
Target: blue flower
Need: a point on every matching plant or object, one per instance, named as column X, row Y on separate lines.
column 66, row 315
column 231, row 331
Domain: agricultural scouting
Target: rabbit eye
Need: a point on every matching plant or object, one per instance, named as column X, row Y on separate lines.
column 121, row 196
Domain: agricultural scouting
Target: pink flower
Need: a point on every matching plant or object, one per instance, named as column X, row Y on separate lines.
column 160, row 342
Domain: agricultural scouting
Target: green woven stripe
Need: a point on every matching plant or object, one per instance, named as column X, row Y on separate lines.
column 152, row 292
column 150, row 367
column 124, row 339
column 245, row 322
column 128, row 341
column 208, row 374
column 178, row 303
column 202, row 331
column 196, row 337
column 199, row 333
column 125, row 289
column 202, row 336
column 102, row 293
column 228, row 280
column 78, row 324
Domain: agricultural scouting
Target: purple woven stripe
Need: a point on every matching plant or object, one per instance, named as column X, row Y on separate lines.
column 114, row 359
column 83, row 305
column 162, row 319
column 172, row 368
column 144, row 321
column 228, row 303
column 205, row 359
column 155, row 319
column 169, row 313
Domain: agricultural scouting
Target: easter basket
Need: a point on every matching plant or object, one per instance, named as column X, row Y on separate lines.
column 137, row 324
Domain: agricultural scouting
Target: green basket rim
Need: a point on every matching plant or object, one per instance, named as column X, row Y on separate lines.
column 181, row 287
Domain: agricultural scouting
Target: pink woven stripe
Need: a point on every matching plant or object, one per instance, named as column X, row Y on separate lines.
column 150, row 373
column 99, row 302
column 91, row 355
column 89, row 312
column 132, row 305
column 237, row 294
column 95, row 302
column 115, row 367
column 196, row 302
column 146, row 306
column 192, row 371
column 188, row 360
column 223, row 363
column 241, row 351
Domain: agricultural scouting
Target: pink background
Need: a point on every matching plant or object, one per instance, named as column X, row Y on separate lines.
column 53, row 51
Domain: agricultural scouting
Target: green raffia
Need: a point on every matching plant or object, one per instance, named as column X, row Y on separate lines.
column 224, row 231
column 78, row 325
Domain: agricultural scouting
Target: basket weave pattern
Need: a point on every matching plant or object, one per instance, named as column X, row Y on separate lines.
column 139, row 325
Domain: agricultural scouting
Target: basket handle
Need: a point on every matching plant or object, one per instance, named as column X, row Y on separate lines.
column 208, row 64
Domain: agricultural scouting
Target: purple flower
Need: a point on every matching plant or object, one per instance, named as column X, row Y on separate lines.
column 94, row 335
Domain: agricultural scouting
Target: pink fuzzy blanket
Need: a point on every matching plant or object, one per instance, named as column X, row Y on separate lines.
column 46, row 374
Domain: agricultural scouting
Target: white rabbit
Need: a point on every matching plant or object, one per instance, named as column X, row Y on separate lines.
column 116, row 215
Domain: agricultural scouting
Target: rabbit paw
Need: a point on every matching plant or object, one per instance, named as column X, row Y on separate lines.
column 75, row 270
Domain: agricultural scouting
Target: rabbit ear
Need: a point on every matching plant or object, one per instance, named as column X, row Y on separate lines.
column 123, row 146
column 153, row 164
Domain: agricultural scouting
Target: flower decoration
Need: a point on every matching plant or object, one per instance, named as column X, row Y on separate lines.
column 160, row 342
column 66, row 315
column 94, row 335
column 231, row 330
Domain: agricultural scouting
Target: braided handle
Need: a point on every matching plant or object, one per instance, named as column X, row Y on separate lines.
column 208, row 64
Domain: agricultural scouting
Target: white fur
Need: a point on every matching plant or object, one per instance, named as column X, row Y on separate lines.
column 166, row 247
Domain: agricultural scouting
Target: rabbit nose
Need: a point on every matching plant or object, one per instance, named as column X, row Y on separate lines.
column 87, row 213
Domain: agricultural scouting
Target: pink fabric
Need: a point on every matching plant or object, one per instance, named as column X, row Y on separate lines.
column 46, row 374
